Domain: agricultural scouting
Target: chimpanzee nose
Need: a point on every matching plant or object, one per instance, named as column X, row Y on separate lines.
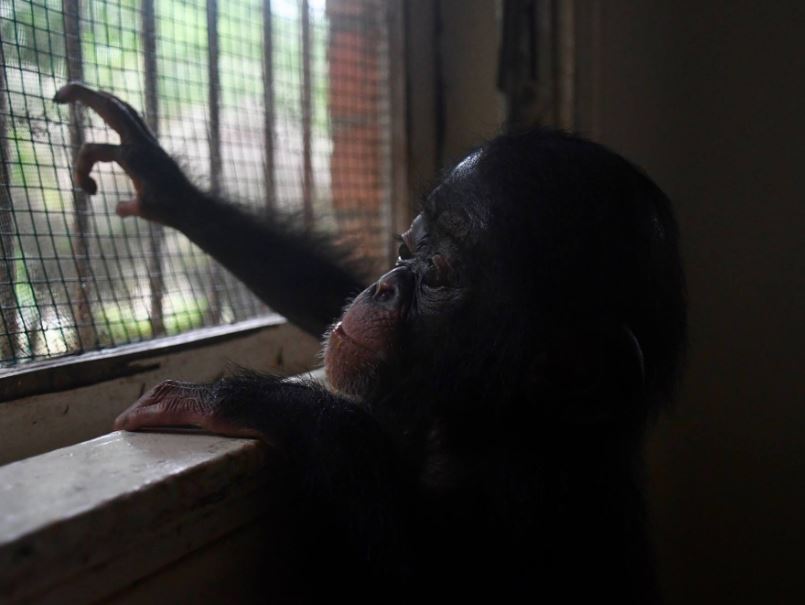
column 394, row 288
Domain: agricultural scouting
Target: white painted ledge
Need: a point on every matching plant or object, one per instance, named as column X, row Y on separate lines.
column 145, row 518
column 79, row 523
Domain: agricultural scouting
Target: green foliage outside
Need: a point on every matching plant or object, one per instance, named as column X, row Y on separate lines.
column 121, row 325
column 33, row 54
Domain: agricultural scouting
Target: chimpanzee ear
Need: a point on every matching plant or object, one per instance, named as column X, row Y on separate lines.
column 590, row 376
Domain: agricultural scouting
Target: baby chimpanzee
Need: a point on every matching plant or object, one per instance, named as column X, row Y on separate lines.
column 482, row 433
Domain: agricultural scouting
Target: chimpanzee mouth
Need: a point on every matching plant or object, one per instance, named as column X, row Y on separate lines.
column 341, row 333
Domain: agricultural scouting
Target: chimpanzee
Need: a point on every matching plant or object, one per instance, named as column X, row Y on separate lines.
column 482, row 431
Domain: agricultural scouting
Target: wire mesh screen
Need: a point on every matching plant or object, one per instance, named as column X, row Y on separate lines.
column 278, row 103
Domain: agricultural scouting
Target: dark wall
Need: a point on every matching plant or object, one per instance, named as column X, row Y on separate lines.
column 709, row 98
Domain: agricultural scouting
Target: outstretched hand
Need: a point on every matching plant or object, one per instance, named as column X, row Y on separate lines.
column 161, row 187
column 305, row 280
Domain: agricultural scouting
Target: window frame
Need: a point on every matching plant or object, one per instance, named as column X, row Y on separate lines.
column 86, row 369
column 98, row 375
column 77, row 370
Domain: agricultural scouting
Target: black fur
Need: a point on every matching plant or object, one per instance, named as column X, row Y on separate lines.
column 489, row 444
column 499, row 455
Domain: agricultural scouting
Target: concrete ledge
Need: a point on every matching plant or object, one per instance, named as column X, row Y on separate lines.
column 81, row 523
column 40, row 423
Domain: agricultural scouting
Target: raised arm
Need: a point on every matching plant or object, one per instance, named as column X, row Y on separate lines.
column 300, row 275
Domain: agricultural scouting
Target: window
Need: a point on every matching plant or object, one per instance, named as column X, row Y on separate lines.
column 282, row 103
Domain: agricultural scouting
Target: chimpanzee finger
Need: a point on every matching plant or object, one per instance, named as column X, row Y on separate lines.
column 170, row 403
column 89, row 155
column 182, row 414
column 180, row 404
column 118, row 115
column 132, row 113
column 164, row 413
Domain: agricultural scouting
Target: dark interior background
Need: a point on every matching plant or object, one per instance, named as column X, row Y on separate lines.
column 708, row 97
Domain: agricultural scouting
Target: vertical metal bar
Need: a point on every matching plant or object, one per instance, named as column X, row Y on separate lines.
column 307, row 178
column 214, row 96
column 400, row 211
column 9, row 344
column 214, row 107
column 87, row 335
column 381, row 20
column 268, row 104
column 156, row 234
column 440, row 120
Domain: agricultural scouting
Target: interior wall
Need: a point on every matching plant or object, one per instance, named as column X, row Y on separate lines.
column 709, row 97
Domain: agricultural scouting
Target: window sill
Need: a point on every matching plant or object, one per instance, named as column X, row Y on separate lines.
column 98, row 520
column 140, row 517
column 39, row 423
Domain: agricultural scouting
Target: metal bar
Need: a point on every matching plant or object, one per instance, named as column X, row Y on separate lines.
column 400, row 210
column 87, row 335
column 268, row 104
column 214, row 97
column 9, row 344
column 307, row 178
column 156, row 234
column 440, row 111
column 216, row 164
column 421, row 110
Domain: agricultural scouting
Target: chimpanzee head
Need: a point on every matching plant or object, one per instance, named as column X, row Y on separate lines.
column 541, row 263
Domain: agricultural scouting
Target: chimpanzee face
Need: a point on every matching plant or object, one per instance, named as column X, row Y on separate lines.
column 419, row 321
column 384, row 327
column 532, row 258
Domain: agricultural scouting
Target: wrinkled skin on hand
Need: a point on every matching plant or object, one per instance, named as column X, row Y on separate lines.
column 173, row 403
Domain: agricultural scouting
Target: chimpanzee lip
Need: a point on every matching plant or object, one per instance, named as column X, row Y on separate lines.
column 341, row 333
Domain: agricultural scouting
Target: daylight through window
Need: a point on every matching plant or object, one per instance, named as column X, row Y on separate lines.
column 280, row 103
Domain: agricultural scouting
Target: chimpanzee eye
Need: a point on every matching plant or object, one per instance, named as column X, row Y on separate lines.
column 437, row 273
column 404, row 252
